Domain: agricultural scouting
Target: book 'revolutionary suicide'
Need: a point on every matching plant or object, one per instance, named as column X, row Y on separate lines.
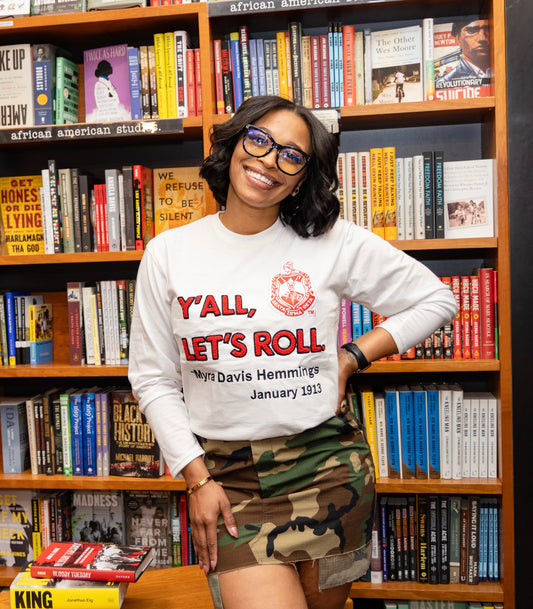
column 92, row 561
column 107, row 84
column 27, row 591
column 20, row 207
column 179, row 197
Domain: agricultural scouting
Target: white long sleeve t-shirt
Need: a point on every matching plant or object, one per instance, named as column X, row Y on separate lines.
column 235, row 337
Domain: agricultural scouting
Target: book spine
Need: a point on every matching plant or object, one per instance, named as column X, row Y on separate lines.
column 429, row 199
column 191, row 82
column 444, row 540
column 219, row 84
column 389, row 193
column 227, row 77
column 85, row 214
column 393, row 434
column 113, row 216
column 427, row 58
column 180, row 72
column 295, row 42
column 254, row 66
column 54, row 200
column 89, row 434
column 466, row 318
column 244, row 45
column 407, row 433
column 472, row 572
column 160, row 75
column 376, row 191
column 433, row 539
column 135, row 83
column 348, row 52
column 76, row 422
column 475, row 317
column 145, row 81
column 104, row 404
column 421, row 445
column 384, row 537
column 236, row 70
column 152, row 73
column 438, row 181
column 418, row 197
column 487, row 307
column 324, row 72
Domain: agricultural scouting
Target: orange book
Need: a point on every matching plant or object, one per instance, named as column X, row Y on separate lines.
column 348, row 54
column 219, row 85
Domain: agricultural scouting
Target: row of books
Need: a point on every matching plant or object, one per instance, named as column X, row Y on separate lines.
column 94, row 431
column 344, row 66
column 41, row 82
column 69, row 210
column 416, row 197
column 430, row 431
column 436, row 539
column 473, row 333
column 26, row 328
column 155, row 519
column 410, row 604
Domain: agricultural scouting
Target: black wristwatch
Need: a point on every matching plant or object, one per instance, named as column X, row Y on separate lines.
column 362, row 362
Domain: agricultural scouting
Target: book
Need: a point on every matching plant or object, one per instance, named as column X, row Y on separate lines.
column 394, row 445
column 15, row 438
column 461, row 58
column 133, row 449
column 20, row 208
column 396, row 66
column 41, row 333
column 98, row 516
column 44, row 83
column 469, row 198
column 147, row 515
column 27, row 591
column 22, row 8
column 67, row 91
column 179, row 196
column 182, row 73
column 16, row 540
column 144, row 205
column 107, row 84
column 76, row 331
column 16, row 86
column 92, row 561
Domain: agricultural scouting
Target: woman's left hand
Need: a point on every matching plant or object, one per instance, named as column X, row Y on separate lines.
column 346, row 369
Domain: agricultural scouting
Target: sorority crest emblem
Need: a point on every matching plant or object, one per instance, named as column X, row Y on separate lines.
column 291, row 291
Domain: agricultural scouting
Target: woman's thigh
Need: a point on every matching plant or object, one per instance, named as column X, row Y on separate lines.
column 261, row 587
column 330, row 598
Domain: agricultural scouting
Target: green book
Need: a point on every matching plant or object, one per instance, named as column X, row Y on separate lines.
column 67, row 91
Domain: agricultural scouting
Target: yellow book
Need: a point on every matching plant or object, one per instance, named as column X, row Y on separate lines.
column 179, row 197
column 20, row 210
column 389, row 193
column 26, row 591
column 282, row 65
column 170, row 75
column 307, row 72
column 376, row 191
column 367, row 406
column 289, row 65
column 161, row 79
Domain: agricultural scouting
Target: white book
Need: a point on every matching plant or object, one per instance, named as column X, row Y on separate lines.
column 115, row 332
column 122, row 211
column 97, row 345
column 359, row 51
column 381, row 434
column 16, row 82
column 268, row 67
column 409, row 198
column 466, row 437
column 367, row 39
column 445, row 409
column 418, row 197
column 113, row 213
column 87, row 292
column 106, row 316
column 46, row 213
column 181, row 43
column 364, row 214
column 483, row 434
column 350, row 191
column 457, row 431
column 474, row 434
column 492, row 458
column 400, row 200
column 341, row 171
column 428, row 76
column 32, row 436
column 469, row 198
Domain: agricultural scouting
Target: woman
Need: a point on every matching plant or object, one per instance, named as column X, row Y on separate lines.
column 235, row 363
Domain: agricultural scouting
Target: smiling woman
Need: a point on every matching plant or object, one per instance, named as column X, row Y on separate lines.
column 247, row 401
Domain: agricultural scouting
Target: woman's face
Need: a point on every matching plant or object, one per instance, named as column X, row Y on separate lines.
column 257, row 183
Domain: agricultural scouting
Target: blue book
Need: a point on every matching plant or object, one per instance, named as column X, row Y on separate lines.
column 76, row 430
column 15, row 439
column 367, row 319
column 254, row 66
column 11, row 324
column 407, row 432
column 357, row 320
column 421, row 438
column 260, row 43
column 339, row 58
column 236, row 69
column 332, row 72
column 44, row 83
column 494, row 540
column 88, row 413
column 483, row 540
column 135, row 83
column 433, row 415
column 394, row 446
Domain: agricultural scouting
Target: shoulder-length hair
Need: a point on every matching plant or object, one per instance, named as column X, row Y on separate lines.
column 315, row 208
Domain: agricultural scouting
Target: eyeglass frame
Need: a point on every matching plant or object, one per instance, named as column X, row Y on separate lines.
column 277, row 146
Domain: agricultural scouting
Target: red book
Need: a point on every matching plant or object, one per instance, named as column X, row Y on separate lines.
column 486, row 296
column 191, row 83
column 466, row 317
column 324, row 71
column 475, row 316
column 92, row 561
column 144, row 205
column 184, row 523
column 316, row 72
column 457, row 325
column 198, row 84
column 348, row 54
column 100, row 209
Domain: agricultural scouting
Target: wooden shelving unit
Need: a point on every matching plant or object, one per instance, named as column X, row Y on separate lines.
column 48, row 274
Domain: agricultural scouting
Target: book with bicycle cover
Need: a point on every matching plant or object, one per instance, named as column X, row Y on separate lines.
column 92, row 561
column 27, row 591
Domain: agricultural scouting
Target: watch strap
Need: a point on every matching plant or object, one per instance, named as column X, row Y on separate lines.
column 362, row 362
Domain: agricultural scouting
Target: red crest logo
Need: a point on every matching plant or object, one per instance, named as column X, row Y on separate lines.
column 291, row 291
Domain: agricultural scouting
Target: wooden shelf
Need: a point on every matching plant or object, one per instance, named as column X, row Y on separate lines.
column 488, row 592
column 474, row 486
column 88, row 258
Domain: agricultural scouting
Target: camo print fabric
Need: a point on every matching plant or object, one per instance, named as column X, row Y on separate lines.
column 301, row 497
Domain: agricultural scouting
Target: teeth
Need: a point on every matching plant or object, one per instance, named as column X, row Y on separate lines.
column 261, row 177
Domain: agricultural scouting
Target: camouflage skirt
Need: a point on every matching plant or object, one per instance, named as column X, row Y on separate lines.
column 308, row 496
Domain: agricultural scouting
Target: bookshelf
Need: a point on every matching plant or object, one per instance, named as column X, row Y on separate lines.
column 478, row 126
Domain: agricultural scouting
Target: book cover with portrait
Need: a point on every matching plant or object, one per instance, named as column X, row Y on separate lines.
column 107, row 84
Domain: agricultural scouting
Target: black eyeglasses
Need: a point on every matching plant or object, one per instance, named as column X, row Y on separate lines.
column 259, row 143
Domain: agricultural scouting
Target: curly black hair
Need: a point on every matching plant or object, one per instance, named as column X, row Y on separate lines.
column 315, row 208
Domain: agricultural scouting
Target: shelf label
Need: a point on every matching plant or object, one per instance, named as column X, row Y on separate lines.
column 91, row 130
column 231, row 7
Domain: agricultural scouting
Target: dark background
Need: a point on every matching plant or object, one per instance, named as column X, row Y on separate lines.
column 519, row 16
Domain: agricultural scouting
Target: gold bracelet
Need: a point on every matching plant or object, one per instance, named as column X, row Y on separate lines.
column 198, row 485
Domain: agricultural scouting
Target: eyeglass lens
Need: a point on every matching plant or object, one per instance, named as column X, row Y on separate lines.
column 258, row 143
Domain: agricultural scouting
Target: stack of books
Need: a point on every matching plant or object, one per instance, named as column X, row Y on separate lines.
column 78, row 574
